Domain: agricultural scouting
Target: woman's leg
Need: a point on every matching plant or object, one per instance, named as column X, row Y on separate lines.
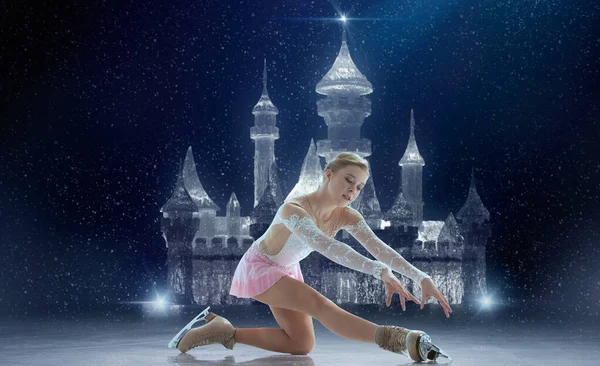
column 291, row 294
column 296, row 335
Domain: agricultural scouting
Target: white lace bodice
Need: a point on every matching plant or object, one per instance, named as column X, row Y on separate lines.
column 306, row 237
column 293, row 251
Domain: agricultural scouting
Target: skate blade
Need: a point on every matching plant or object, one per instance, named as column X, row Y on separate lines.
column 173, row 343
column 431, row 352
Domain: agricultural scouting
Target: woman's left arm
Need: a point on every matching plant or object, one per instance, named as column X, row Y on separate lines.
column 359, row 229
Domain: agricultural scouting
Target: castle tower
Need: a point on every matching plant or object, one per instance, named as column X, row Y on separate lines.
column 264, row 133
column 412, row 176
column 344, row 108
column 474, row 227
column 179, row 224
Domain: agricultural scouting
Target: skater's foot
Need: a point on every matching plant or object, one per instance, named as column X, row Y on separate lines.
column 216, row 330
column 412, row 343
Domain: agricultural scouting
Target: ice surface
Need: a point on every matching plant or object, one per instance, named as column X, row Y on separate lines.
column 144, row 342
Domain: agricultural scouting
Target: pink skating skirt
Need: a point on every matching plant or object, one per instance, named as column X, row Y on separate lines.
column 255, row 274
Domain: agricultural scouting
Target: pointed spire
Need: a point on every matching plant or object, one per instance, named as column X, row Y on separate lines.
column 265, row 92
column 399, row 213
column 265, row 210
column 193, row 185
column 264, row 104
column 233, row 206
column 411, row 154
column 344, row 77
column 412, row 122
column 180, row 200
column 450, row 230
column 311, row 173
column 473, row 210
column 368, row 205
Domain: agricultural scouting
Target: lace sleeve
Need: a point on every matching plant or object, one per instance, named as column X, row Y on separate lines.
column 367, row 238
column 297, row 220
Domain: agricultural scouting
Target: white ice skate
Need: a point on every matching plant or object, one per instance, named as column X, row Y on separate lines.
column 182, row 332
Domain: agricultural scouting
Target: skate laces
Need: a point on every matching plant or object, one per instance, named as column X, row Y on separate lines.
column 226, row 338
column 392, row 338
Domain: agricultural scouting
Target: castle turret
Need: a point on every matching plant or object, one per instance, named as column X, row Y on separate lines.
column 473, row 210
column 412, row 175
column 264, row 133
column 179, row 224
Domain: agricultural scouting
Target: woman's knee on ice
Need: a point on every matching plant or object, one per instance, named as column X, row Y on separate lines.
column 303, row 347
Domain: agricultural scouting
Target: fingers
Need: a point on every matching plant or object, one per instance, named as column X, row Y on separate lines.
column 388, row 301
column 444, row 303
column 413, row 298
column 403, row 303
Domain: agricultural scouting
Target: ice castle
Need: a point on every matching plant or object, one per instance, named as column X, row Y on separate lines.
column 203, row 248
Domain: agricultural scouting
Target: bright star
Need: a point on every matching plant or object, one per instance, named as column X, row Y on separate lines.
column 344, row 18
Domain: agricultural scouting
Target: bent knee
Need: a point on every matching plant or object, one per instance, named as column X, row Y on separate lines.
column 304, row 347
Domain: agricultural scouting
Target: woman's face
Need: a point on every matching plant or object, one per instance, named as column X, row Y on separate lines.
column 345, row 184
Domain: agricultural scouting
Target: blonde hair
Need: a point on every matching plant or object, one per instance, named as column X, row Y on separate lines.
column 344, row 159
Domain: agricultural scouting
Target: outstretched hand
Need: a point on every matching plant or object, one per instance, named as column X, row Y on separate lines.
column 428, row 289
column 392, row 286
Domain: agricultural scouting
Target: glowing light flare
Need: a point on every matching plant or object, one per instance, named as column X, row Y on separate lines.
column 486, row 301
column 159, row 303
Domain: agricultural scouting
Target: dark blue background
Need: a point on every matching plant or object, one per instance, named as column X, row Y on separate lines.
column 100, row 100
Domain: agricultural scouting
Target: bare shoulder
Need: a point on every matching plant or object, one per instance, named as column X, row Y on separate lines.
column 293, row 207
column 351, row 216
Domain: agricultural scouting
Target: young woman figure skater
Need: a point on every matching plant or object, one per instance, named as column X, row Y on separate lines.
column 269, row 272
